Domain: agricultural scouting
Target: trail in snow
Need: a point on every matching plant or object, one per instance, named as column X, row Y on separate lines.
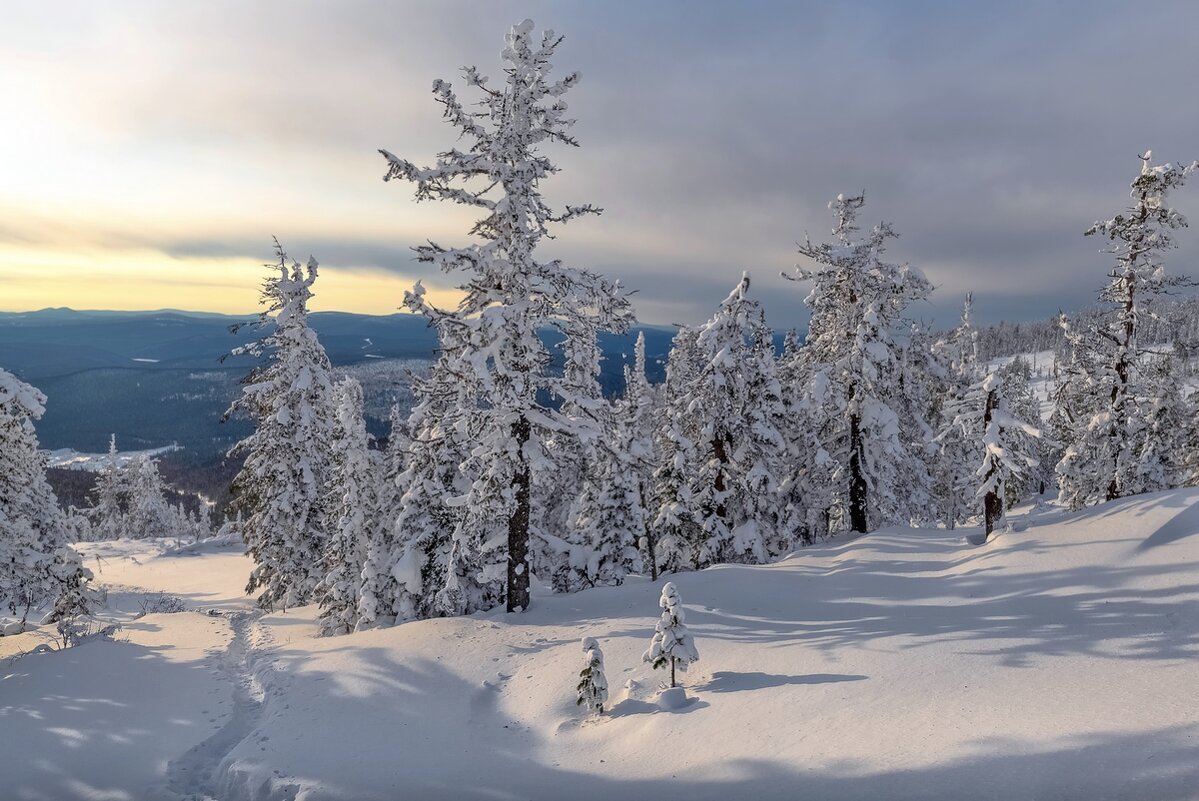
column 196, row 775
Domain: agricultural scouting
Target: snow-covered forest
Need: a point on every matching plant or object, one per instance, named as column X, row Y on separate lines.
column 1025, row 490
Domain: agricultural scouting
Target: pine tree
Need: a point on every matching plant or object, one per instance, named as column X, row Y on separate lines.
column 1102, row 464
column 636, row 415
column 593, row 685
column 809, row 476
column 107, row 512
column 757, row 493
column 1161, row 463
column 407, row 563
column 959, row 448
column 736, row 433
column 675, row 528
column 672, row 643
column 610, row 515
column 509, row 295
column 851, row 364
column 283, row 485
column 150, row 515
column 1008, row 445
column 353, row 512
column 36, row 563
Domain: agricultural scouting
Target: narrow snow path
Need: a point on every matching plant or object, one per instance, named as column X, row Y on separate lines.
column 195, row 776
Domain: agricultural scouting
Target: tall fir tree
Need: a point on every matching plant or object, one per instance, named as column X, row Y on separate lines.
column 851, row 364
column 676, row 529
column 407, row 567
column 353, row 491
column 283, row 485
column 37, row 565
column 1103, row 461
column 509, row 296
column 958, row 446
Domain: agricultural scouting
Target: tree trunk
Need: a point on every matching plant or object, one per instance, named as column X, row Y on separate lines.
column 857, row 480
column 672, row 684
column 722, row 456
column 1120, row 391
column 518, row 526
column 993, row 502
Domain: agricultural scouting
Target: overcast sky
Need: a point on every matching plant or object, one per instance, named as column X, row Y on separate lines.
column 148, row 151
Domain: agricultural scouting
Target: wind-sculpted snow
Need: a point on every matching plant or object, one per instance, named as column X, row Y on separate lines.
column 1056, row 662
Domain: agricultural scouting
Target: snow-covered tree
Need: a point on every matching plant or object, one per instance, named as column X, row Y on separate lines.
column 675, row 527
column 36, row 563
column 731, row 414
column 810, row 479
column 107, row 512
column 959, row 448
column 283, row 485
column 353, row 512
column 760, row 451
column 851, row 364
column 592, row 690
column 610, row 514
column 149, row 512
column 407, row 570
column 1103, row 461
column 1008, row 448
column 1168, row 422
column 672, row 644
column 919, row 400
column 636, row 413
column 509, row 296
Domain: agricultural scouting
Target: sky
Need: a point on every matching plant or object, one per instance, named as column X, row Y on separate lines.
column 149, row 151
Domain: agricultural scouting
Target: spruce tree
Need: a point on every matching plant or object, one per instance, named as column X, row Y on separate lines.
column 850, row 373
column 672, row 644
column 1008, row 448
column 592, row 690
column 676, row 528
column 409, row 556
column 108, row 506
column 37, row 565
column 353, row 512
column 509, row 296
column 283, row 484
column 1102, row 464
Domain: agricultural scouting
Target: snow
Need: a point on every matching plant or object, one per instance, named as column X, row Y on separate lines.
column 93, row 462
column 1055, row 662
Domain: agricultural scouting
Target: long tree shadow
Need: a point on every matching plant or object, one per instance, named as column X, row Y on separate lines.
column 1183, row 524
column 725, row 681
column 102, row 719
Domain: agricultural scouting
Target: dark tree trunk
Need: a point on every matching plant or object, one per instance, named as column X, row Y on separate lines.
column 518, row 527
column 672, row 684
column 993, row 502
column 722, row 456
column 857, row 480
column 1120, row 390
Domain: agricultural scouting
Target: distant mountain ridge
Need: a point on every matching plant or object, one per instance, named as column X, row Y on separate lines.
column 156, row 377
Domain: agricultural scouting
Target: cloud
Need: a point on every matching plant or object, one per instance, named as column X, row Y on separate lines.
column 713, row 134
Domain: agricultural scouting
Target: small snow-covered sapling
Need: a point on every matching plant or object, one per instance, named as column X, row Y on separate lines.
column 672, row 643
column 593, row 685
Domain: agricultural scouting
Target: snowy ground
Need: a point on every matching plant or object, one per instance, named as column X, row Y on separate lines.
column 94, row 462
column 1057, row 662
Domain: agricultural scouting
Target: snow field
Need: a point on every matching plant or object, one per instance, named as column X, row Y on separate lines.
column 1057, row 662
